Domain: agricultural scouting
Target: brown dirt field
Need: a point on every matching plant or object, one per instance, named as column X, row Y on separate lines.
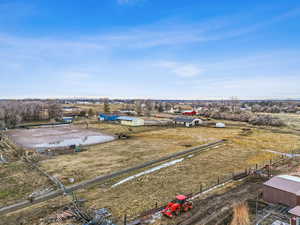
column 50, row 137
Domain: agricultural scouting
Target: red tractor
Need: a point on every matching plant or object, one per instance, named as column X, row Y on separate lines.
column 176, row 207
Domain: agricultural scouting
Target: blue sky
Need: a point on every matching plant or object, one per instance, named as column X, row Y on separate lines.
column 167, row 49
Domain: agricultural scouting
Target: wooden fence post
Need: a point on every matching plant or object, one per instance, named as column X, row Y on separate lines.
column 125, row 219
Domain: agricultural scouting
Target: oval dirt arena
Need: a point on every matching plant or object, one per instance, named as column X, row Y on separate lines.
column 57, row 136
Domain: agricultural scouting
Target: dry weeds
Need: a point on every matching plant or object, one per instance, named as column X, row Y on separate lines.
column 240, row 214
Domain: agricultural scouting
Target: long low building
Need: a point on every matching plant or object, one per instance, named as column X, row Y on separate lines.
column 187, row 121
column 282, row 189
column 131, row 121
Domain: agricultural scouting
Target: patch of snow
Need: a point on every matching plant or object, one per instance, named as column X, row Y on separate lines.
column 282, row 153
column 88, row 140
column 167, row 164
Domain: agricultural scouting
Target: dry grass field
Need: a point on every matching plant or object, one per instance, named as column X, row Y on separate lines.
column 18, row 180
column 292, row 120
column 241, row 151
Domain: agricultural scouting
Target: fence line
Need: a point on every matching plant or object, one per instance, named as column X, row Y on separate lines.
column 220, row 181
column 103, row 178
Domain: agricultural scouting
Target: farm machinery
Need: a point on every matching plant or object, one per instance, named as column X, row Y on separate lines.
column 181, row 204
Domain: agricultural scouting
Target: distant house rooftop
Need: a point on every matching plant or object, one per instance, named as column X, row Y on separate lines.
column 68, row 118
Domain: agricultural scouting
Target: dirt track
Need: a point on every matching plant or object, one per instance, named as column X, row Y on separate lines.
column 210, row 209
column 57, row 136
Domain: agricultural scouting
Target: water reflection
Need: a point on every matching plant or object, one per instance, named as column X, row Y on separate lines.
column 86, row 140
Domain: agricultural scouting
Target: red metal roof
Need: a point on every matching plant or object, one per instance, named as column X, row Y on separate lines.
column 295, row 211
column 286, row 183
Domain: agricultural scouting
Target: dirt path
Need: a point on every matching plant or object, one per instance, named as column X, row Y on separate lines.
column 209, row 210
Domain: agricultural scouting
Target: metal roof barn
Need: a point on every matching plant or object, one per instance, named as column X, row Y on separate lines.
column 131, row 121
column 187, row 121
column 282, row 189
column 68, row 119
column 106, row 117
column 129, row 118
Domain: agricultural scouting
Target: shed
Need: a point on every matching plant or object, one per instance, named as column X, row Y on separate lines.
column 188, row 121
column 295, row 212
column 105, row 117
column 282, row 189
column 131, row 121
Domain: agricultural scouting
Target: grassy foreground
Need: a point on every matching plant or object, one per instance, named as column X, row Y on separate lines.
column 243, row 149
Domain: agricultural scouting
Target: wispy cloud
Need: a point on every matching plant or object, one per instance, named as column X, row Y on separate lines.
column 181, row 69
column 149, row 53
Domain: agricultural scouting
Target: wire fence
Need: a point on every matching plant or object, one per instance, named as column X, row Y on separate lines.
column 265, row 168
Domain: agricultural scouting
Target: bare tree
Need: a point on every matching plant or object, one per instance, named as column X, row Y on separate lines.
column 138, row 107
column 91, row 112
column 106, row 106
column 14, row 112
column 55, row 111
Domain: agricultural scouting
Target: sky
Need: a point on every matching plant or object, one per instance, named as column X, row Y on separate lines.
column 158, row 49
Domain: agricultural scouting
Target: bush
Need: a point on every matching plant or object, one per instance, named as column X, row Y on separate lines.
column 261, row 120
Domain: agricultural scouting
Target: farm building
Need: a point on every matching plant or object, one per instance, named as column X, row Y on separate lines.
column 105, row 117
column 295, row 212
column 69, row 111
column 70, row 108
column 282, row 189
column 128, row 112
column 131, row 121
column 189, row 113
column 188, row 121
column 68, row 119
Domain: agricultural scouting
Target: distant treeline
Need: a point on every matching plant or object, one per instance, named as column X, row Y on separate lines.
column 249, row 117
column 14, row 112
